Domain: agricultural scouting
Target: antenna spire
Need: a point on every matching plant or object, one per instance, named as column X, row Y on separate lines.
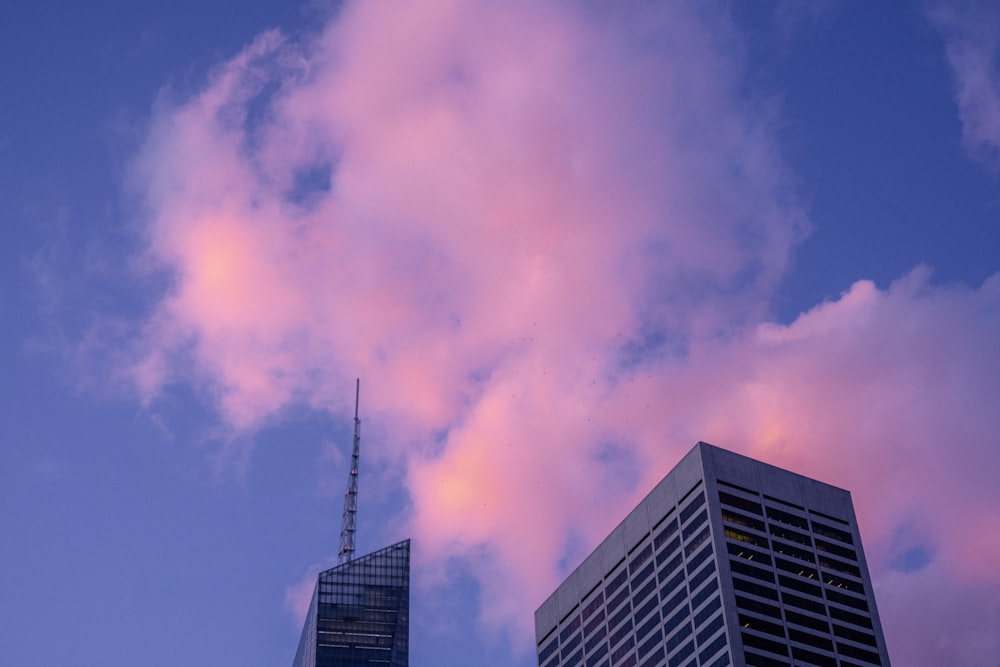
column 347, row 527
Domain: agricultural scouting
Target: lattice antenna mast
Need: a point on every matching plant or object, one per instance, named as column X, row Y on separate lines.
column 347, row 527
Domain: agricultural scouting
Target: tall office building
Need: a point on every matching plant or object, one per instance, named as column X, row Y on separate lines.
column 360, row 609
column 727, row 561
column 359, row 614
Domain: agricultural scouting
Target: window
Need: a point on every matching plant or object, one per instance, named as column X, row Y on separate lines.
column 679, row 601
column 614, row 584
column 618, row 653
column 859, row 653
column 571, row 645
column 761, row 625
column 593, row 605
column 794, row 551
column 652, row 623
column 836, row 565
column 646, row 647
column 671, row 566
column 836, row 550
column 639, row 578
column 620, row 616
column 683, row 653
column 748, row 570
column 746, row 538
column 597, row 638
column 709, row 630
column 740, row 503
column 833, row 533
column 698, row 559
column 569, row 628
column 804, row 637
column 795, row 568
column 702, row 595
column 764, row 644
column 696, row 542
column 621, row 632
column 640, row 558
column 849, row 617
column 790, row 535
column 695, row 524
column 746, row 553
column 758, row 607
column 676, row 640
column 644, row 592
column 841, row 598
column 737, row 519
column 688, row 511
column 594, row 658
column 711, row 649
column 709, row 609
column 754, row 589
column 573, row 660
column 618, row 599
column 818, row 624
column 591, row 624
column 551, row 648
column 704, row 574
column 840, row 582
column 853, row 635
column 787, row 518
column 655, row 659
column 800, row 585
column 792, row 600
column 813, row 658
column 668, row 530
column 754, row 660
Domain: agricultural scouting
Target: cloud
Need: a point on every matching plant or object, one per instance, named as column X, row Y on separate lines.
column 971, row 32
column 546, row 235
column 298, row 596
column 946, row 621
column 886, row 393
column 425, row 192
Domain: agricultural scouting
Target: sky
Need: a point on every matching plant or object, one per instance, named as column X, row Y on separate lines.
column 559, row 242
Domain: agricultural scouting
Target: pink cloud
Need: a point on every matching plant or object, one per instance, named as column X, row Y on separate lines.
column 546, row 237
column 932, row 619
column 886, row 393
column 971, row 32
column 298, row 596
column 474, row 187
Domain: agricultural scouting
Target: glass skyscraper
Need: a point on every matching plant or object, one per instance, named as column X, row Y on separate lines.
column 360, row 613
column 727, row 561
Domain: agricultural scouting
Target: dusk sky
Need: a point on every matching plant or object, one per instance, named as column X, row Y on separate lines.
column 559, row 241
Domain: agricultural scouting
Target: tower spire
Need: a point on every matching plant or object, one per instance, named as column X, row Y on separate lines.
column 347, row 527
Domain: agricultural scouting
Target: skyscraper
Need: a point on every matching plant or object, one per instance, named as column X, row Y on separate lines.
column 727, row 561
column 359, row 614
column 360, row 609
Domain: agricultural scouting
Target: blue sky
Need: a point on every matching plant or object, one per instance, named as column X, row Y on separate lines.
column 559, row 243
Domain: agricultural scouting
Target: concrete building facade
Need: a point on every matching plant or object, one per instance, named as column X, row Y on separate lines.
column 727, row 561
